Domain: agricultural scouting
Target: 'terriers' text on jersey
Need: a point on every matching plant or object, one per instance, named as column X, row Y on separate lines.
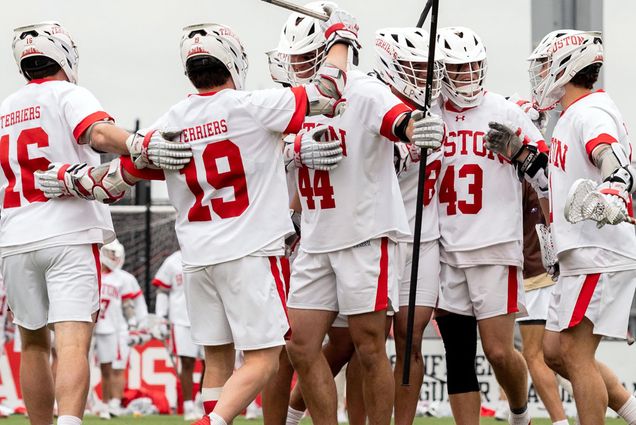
column 360, row 199
column 39, row 124
column 170, row 277
column 479, row 192
column 231, row 199
column 117, row 286
column 408, row 180
column 589, row 121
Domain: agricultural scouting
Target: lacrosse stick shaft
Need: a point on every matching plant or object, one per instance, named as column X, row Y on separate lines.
column 297, row 8
column 424, row 14
column 420, row 200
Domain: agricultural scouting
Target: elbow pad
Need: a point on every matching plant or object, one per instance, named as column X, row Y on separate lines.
column 324, row 93
column 614, row 165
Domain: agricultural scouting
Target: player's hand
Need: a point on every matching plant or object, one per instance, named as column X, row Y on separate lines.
column 292, row 240
column 138, row 337
column 63, row 180
column 341, row 27
column 309, row 151
column 159, row 150
column 538, row 118
column 504, row 140
column 548, row 252
column 617, row 197
column 405, row 155
column 428, row 130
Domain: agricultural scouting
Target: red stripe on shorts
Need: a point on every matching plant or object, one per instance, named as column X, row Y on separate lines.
column 382, row 294
column 273, row 265
column 174, row 340
column 285, row 268
column 513, row 305
column 583, row 301
column 98, row 269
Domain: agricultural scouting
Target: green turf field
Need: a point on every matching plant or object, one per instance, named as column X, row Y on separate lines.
column 174, row 420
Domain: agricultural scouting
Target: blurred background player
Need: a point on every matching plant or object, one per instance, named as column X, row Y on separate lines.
column 401, row 63
column 171, row 304
column 481, row 266
column 50, row 249
column 117, row 316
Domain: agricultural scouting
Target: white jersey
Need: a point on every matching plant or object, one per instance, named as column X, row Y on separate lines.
column 231, row 199
column 170, row 277
column 479, row 200
column 408, row 180
column 117, row 286
column 586, row 123
column 39, row 124
column 360, row 199
column 4, row 309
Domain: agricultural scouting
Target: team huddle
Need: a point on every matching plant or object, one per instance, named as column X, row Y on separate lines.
column 295, row 208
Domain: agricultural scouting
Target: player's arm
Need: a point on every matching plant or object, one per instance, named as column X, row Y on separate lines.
column 128, row 307
column 616, row 171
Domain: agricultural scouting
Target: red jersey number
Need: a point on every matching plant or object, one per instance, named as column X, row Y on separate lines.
column 32, row 136
column 321, row 187
column 447, row 195
column 223, row 169
column 432, row 174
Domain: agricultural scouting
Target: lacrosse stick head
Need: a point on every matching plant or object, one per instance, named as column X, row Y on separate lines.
column 584, row 202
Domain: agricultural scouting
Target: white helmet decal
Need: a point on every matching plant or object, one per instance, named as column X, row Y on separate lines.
column 47, row 39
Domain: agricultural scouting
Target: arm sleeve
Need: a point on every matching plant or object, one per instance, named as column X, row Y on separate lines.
column 596, row 127
column 81, row 109
column 278, row 110
column 165, row 275
column 381, row 110
column 162, row 304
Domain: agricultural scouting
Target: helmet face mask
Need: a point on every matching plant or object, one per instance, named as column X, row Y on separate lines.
column 465, row 67
column 48, row 39
column 557, row 59
column 402, row 63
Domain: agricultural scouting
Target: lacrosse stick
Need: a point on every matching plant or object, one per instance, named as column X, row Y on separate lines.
column 585, row 203
column 300, row 9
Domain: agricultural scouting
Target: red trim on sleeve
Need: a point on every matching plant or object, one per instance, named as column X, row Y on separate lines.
column 298, row 118
column 145, row 173
column 131, row 296
column 160, row 284
column 88, row 121
column 513, row 306
column 389, row 119
column 601, row 139
column 382, row 294
column 583, row 301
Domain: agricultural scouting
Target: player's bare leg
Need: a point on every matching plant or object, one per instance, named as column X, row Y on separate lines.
column 117, row 384
column 510, row 368
column 543, row 377
column 578, row 347
column 107, row 372
column 466, row 407
column 185, row 376
column 406, row 397
column 337, row 352
column 72, row 342
column 355, row 397
column 368, row 334
column 275, row 396
column 36, row 378
column 309, row 328
column 242, row 386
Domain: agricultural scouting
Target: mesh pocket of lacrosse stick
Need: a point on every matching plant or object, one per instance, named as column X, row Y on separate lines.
column 585, row 203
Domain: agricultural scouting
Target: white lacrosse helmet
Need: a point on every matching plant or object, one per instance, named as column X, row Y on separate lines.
column 113, row 255
column 46, row 39
column 217, row 41
column 557, row 59
column 462, row 45
column 402, row 60
column 276, row 68
column 302, row 45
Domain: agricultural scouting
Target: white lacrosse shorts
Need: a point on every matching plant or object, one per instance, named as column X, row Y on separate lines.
column 537, row 304
column 604, row 298
column 351, row 281
column 112, row 348
column 49, row 285
column 427, row 273
column 482, row 291
column 182, row 344
column 240, row 302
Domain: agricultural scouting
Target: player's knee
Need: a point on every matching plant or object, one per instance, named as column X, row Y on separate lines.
column 552, row 357
column 459, row 334
column 370, row 353
column 498, row 355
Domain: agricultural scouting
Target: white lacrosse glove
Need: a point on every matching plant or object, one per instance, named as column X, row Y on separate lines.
column 308, row 151
column 104, row 183
column 341, row 27
column 159, row 150
column 617, row 197
column 138, row 337
column 428, row 130
column 548, row 252
column 538, row 118
column 405, row 155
